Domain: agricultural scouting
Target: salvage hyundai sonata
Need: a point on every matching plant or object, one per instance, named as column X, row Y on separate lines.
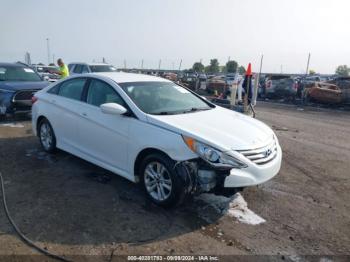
column 153, row 131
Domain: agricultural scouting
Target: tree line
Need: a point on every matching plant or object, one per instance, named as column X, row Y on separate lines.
column 342, row 70
column 214, row 67
column 233, row 67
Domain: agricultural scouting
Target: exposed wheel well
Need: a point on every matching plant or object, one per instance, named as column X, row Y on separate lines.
column 145, row 152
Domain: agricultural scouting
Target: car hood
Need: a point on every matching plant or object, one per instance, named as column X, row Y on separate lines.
column 23, row 85
column 221, row 128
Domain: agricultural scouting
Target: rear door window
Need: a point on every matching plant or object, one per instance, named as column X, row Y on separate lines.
column 73, row 88
column 100, row 93
column 85, row 69
column 78, row 68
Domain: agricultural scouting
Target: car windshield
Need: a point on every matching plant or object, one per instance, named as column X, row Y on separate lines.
column 163, row 98
column 102, row 68
column 18, row 73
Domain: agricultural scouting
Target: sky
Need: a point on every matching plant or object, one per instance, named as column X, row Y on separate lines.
column 284, row 32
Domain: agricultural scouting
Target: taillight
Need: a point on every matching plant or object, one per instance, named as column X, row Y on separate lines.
column 34, row 99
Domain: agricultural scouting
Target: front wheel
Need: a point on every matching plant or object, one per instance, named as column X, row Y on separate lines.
column 162, row 184
column 47, row 136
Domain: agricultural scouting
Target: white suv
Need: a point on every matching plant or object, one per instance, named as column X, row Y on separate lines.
column 83, row 68
column 150, row 130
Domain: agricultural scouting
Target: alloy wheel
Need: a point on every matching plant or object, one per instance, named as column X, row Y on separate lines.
column 157, row 181
column 46, row 136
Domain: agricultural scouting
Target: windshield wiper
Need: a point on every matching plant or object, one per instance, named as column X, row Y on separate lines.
column 195, row 109
column 163, row 113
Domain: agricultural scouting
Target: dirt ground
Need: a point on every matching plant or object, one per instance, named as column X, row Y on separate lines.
column 57, row 201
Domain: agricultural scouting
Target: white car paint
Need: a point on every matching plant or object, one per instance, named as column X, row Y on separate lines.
column 114, row 141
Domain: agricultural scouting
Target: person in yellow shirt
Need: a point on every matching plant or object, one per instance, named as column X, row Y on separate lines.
column 63, row 69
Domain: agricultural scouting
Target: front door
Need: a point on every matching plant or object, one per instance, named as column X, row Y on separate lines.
column 104, row 137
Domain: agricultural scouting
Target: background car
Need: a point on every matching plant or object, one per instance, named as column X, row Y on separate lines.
column 217, row 85
column 230, row 79
column 49, row 73
column 170, row 76
column 82, row 68
column 18, row 83
column 190, row 80
column 280, row 86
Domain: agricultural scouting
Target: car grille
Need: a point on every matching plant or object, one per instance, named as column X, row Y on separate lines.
column 25, row 95
column 262, row 155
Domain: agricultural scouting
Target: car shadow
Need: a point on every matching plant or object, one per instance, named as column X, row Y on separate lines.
column 63, row 199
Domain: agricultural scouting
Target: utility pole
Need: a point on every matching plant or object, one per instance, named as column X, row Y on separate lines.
column 48, row 50
column 257, row 81
column 181, row 64
column 308, row 64
column 27, row 59
column 261, row 64
column 159, row 64
column 142, row 64
column 124, row 64
column 229, row 58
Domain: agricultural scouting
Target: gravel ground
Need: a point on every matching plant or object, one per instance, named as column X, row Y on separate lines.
column 59, row 202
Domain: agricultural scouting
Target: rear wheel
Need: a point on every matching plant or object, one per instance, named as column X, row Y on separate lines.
column 162, row 184
column 47, row 136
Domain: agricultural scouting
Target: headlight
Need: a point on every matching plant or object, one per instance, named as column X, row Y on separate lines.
column 213, row 156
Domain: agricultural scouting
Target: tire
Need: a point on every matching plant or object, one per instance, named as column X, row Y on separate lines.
column 162, row 184
column 47, row 136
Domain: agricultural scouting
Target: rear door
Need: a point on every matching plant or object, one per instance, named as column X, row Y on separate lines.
column 104, row 137
column 65, row 102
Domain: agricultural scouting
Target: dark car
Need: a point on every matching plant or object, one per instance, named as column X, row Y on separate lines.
column 343, row 82
column 280, row 86
column 18, row 83
column 190, row 79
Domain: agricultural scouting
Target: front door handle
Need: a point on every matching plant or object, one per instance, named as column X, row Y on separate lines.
column 84, row 114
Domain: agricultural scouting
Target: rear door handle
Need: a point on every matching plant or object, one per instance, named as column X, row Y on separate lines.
column 84, row 114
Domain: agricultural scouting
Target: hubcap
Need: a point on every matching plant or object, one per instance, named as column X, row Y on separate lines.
column 46, row 136
column 157, row 181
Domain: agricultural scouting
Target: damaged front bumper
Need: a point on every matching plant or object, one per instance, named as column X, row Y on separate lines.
column 9, row 105
column 200, row 177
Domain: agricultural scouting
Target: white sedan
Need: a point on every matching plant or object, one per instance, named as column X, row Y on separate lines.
column 150, row 130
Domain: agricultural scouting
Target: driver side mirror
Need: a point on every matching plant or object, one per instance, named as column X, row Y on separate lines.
column 113, row 109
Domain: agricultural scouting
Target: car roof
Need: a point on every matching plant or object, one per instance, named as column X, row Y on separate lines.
column 90, row 64
column 13, row 65
column 122, row 77
column 45, row 66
